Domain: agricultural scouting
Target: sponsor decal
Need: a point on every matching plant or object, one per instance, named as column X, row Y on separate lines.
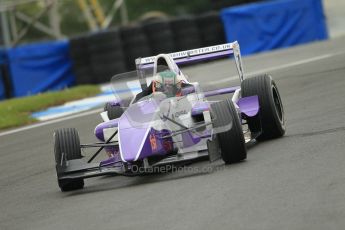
column 194, row 52
column 167, row 145
column 179, row 113
column 153, row 142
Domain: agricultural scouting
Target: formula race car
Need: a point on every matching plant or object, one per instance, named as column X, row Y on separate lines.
column 161, row 119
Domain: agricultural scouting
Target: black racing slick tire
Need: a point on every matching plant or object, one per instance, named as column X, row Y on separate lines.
column 67, row 147
column 160, row 36
column 270, row 120
column 185, row 25
column 114, row 111
column 231, row 139
column 211, row 29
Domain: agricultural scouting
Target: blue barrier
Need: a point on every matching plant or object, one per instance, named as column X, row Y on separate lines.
column 40, row 67
column 274, row 24
column 2, row 84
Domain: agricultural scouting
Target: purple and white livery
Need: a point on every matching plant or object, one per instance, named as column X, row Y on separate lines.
column 148, row 130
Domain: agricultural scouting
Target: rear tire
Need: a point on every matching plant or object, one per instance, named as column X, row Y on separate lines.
column 231, row 142
column 67, row 147
column 114, row 111
column 270, row 120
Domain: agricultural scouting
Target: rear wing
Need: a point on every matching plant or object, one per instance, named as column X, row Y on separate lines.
column 198, row 55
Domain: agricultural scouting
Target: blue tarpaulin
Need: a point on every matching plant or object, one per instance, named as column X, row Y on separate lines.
column 40, row 67
column 2, row 63
column 274, row 24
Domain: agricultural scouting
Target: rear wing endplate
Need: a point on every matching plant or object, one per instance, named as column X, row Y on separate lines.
column 198, row 55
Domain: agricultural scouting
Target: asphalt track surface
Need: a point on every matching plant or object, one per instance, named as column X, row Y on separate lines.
column 296, row 182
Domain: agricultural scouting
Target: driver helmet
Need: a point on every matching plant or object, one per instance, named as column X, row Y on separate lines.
column 168, row 83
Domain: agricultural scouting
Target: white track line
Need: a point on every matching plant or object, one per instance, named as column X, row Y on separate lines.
column 301, row 62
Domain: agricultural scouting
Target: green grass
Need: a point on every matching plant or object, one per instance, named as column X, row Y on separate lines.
column 16, row 112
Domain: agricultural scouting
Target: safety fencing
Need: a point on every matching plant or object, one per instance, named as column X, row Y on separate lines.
column 94, row 58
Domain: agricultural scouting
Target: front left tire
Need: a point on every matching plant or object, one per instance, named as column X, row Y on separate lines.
column 231, row 139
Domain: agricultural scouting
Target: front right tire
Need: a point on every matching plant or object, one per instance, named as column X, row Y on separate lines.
column 67, row 147
column 270, row 120
column 114, row 111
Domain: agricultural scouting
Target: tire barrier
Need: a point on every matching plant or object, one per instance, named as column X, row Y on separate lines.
column 160, row 36
column 185, row 33
column 80, row 60
column 5, row 82
column 97, row 57
column 220, row 4
column 135, row 44
column 211, row 29
column 106, row 55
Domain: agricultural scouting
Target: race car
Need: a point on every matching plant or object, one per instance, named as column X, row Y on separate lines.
column 162, row 119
